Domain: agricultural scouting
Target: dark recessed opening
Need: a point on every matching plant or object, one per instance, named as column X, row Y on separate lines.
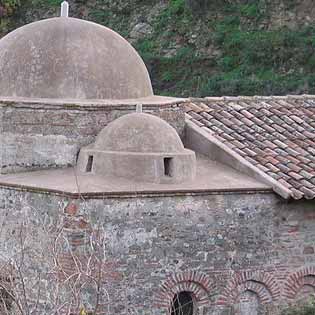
column 168, row 167
column 6, row 299
column 183, row 304
column 89, row 164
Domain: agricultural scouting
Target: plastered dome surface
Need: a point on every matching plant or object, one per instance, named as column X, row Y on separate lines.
column 67, row 58
column 139, row 132
column 139, row 147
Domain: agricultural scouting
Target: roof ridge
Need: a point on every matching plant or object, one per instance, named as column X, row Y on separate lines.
column 255, row 97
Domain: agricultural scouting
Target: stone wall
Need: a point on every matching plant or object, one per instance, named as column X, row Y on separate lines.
column 236, row 253
column 49, row 135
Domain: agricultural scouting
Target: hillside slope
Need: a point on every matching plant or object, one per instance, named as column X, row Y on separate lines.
column 203, row 47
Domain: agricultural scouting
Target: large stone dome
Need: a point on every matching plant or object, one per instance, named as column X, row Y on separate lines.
column 139, row 132
column 67, row 58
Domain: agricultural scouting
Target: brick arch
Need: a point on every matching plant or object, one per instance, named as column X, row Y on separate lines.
column 261, row 283
column 201, row 286
column 297, row 280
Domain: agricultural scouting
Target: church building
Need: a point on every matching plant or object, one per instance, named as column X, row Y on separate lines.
column 114, row 200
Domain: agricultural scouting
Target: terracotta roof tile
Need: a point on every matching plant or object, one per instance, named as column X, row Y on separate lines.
column 273, row 168
column 195, row 115
column 306, row 174
column 263, row 168
column 308, row 193
column 276, row 134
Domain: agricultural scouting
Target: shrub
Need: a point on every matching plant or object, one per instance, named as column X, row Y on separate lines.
column 306, row 309
column 7, row 7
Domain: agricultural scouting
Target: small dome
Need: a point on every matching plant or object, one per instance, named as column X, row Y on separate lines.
column 139, row 147
column 67, row 58
column 139, row 132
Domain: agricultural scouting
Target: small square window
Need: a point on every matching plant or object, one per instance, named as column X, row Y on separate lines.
column 168, row 167
column 89, row 164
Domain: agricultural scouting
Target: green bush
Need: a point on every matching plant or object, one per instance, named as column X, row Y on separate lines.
column 213, row 47
column 47, row 3
column 7, row 7
column 301, row 309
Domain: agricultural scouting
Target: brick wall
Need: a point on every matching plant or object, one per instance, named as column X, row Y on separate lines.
column 236, row 253
column 42, row 135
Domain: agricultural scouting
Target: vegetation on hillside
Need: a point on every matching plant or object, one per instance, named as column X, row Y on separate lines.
column 203, row 47
column 7, row 8
column 306, row 309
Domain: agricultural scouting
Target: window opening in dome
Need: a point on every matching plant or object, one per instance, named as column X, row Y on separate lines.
column 183, row 304
column 89, row 164
column 168, row 166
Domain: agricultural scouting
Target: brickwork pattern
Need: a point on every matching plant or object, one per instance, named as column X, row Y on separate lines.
column 263, row 284
column 297, row 280
column 216, row 246
column 200, row 285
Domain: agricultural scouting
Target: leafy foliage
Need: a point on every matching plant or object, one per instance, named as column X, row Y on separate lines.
column 7, row 7
column 52, row 3
column 306, row 309
column 205, row 47
column 251, row 61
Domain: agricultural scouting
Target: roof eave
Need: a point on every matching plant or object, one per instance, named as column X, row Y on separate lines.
column 219, row 151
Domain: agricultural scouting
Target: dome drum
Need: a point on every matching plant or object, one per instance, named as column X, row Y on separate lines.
column 143, row 167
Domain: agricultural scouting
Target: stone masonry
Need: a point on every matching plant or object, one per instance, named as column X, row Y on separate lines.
column 31, row 131
column 227, row 249
column 235, row 237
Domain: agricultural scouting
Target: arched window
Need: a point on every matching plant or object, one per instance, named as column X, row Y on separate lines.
column 183, row 304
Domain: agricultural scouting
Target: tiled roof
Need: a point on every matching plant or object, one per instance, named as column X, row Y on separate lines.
column 275, row 134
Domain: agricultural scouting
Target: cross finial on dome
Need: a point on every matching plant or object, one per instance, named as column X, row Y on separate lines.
column 64, row 9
